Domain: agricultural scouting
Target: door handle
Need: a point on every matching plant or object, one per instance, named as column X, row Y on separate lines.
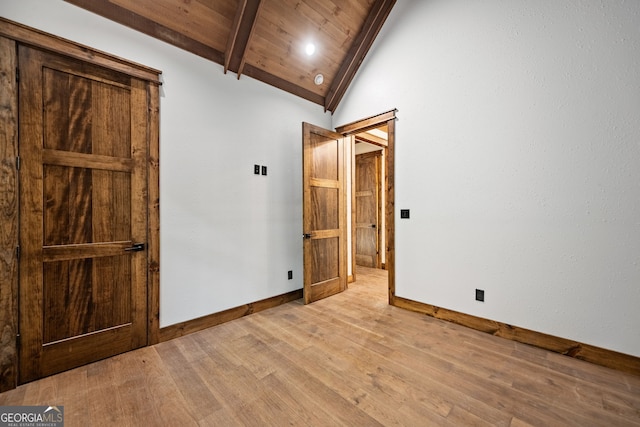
column 307, row 235
column 373, row 226
column 137, row 247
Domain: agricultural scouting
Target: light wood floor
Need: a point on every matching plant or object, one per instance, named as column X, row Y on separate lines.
column 348, row 360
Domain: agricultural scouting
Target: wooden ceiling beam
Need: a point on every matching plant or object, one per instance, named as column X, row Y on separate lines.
column 239, row 19
column 361, row 45
column 240, row 37
column 233, row 35
column 137, row 22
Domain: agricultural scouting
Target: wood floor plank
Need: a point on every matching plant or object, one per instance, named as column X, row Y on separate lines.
column 195, row 392
column 436, row 396
column 166, row 396
column 14, row 397
column 130, row 388
column 308, row 363
column 496, row 365
column 348, row 360
column 234, row 385
column 383, row 388
column 103, row 400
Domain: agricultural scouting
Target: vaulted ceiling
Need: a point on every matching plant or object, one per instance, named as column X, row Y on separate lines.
column 264, row 39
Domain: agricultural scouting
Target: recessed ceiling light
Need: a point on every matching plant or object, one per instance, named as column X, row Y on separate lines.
column 310, row 49
column 318, row 79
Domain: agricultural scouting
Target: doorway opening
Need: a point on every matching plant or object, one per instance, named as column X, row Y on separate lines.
column 374, row 134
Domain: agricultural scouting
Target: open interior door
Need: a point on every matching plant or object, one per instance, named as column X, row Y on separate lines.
column 324, row 213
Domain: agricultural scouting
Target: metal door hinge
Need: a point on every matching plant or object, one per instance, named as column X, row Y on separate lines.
column 18, row 251
column 18, row 162
column 17, row 75
column 18, row 340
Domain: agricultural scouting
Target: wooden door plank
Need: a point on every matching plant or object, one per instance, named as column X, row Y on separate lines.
column 57, row 211
column 57, row 357
column 31, row 214
column 324, row 183
column 84, row 250
column 326, row 234
column 67, row 300
column 325, row 289
column 80, row 160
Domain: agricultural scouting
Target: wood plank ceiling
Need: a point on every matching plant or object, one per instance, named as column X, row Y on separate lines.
column 264, row 39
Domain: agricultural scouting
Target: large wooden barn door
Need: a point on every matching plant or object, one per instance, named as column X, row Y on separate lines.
column 324, row 213
column 83, row 213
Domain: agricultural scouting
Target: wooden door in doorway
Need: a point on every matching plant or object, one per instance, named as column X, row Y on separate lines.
column 83, row 208
column 324, row 213
column 368, row 209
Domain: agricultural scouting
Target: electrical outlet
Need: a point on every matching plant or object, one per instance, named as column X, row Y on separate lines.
column 290, row 274
column 479, row 295
column 404, row 213
column 264, row 170
column 256, row 169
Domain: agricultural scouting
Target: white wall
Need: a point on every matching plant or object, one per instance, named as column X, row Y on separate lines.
column 227, row 237
column 518, row 153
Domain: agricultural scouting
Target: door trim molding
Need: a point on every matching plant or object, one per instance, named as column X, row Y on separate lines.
column 8, row 215
column 368, row 123
column 153, row 212
column 71, row 49
column 388, row 118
